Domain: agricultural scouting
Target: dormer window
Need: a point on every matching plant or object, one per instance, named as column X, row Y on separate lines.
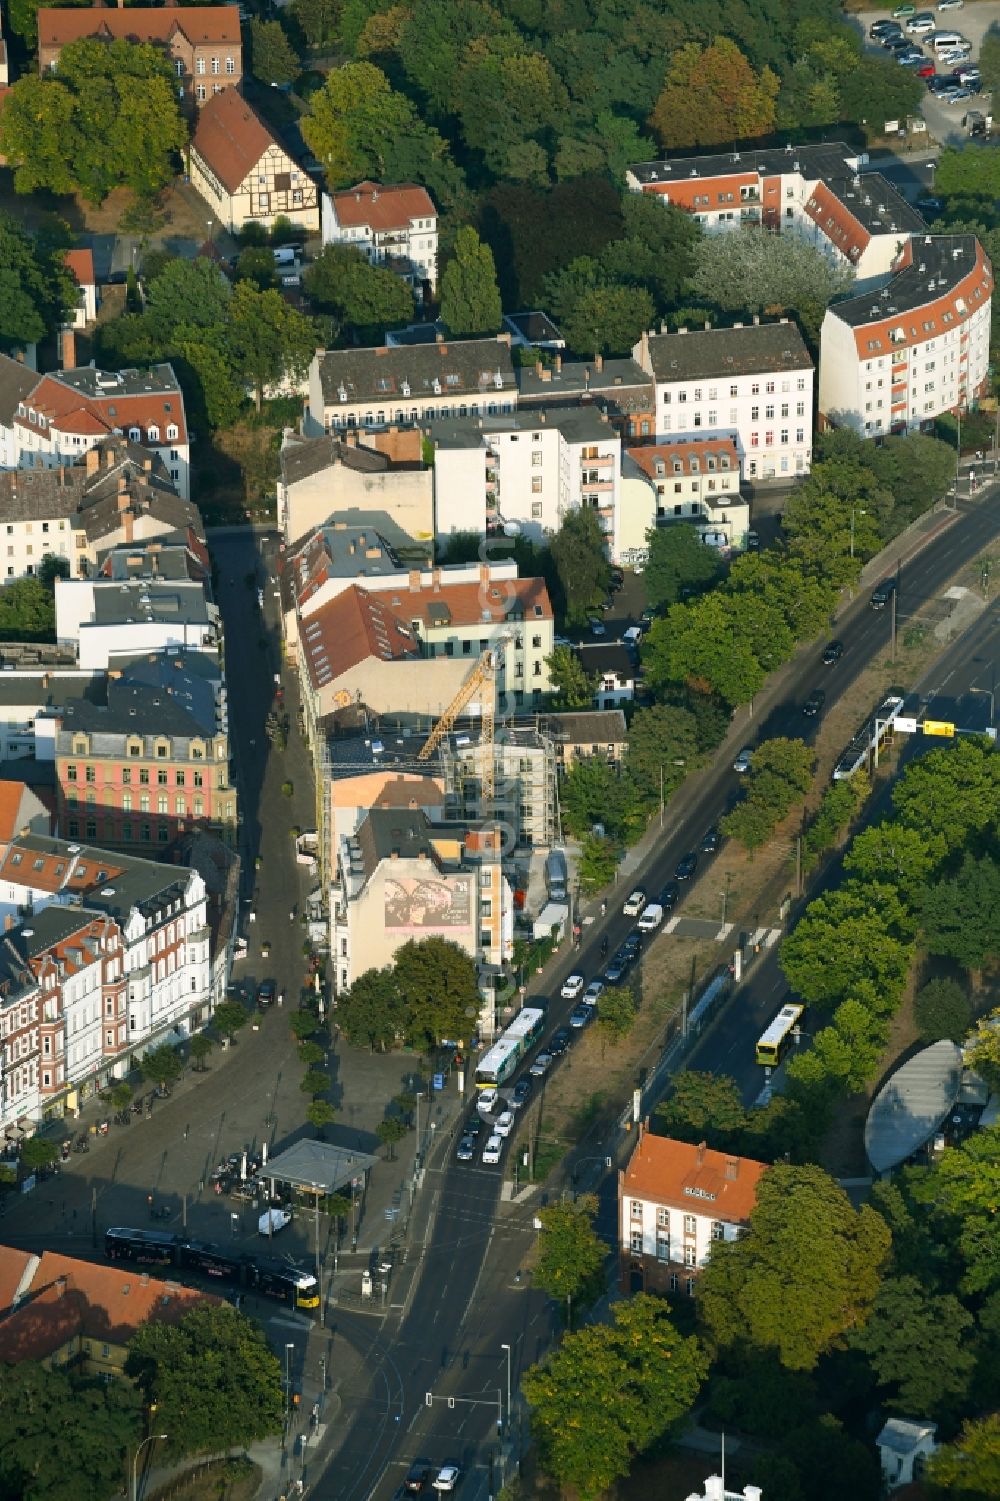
column 153, row 434
column 172, row 432
column 135, row 434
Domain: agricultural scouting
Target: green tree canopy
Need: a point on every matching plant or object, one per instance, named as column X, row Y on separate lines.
column 37, row 289
column 970, row 1466
column 606, row 1393
column 267, row 340
column 664, row 745
column 438, row 989
column 920, row 1345
column 596, row 792
column 109, row 118
column 571, row 1255
column 952, row 792
column 27, row 611
column 961, row 1192
column 581, row 563
column 960, row 916
column 747, row 269
column 162, row 1065
column 892, row 854
column 700, row 645
column 273, row 58
column 372, row 1011
column 942, row 1009
column 229, row 1017
column 50, row 1415
column 570, row 680
column 678, row 561
column 185, row 300
column 855, row 935
column 704, row 1107
column 508, row 100
column 616, row 1009
column 470, row 298
column 779, row 776
column 214, row 1378
column 366, row 298
column 806, row 1274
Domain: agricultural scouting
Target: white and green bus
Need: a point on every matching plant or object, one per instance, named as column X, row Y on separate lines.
column 506, row 1053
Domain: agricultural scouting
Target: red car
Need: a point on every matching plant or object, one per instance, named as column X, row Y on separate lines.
column 926, row 70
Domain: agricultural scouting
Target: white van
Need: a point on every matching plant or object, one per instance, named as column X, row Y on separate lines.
column 944, row 39
column 651, row 918
column 632, row 636
column 286, row 255
column 492, row 1150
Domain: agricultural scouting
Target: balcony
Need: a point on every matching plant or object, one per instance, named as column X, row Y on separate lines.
column 590, row 485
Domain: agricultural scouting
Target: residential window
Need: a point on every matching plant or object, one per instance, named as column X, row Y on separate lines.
column 161, row 777
column 635, row 1209
column 163, row 833
column 662, row 1219
column 199, row 66
column 71, row 773
column 690, row 1224
column 200, row 94
column 769, row 410
column 215, row 65
column 663, row 1248
column 179, row 68
column 179, row 779
column 690, row 1256
column 755, row 414
column 230, row 66
column 768, row 439
column 144, row 802
column 636, row 1240
column 126, row 775
column 199, row 780
column 90, row 774
column 162, row 805
column 536, row 484
column 718, row 1230
column 144, row 776
column 536, row 460
column 199, row 806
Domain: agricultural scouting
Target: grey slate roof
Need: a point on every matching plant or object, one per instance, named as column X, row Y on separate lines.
column 612, row 657
column 942, row 259
column 578, row 424
column 617, row 380
column 912, row 1104
column 144, row 884
column 319, row 1165
column 406, row 830
column 16, row 381
column 119, row 604
column 301, row 458
column 585, row 727
column 131, row 709
column 53, row 690
column 721, row 352
column 461, row 367
column 40, row 494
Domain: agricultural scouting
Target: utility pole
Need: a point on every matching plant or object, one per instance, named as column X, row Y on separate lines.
column 661, row 797
column 892, row 647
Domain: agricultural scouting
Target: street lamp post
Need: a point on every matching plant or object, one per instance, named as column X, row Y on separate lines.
column 288, row 1382
column 507, row 1348
column 149, row 1439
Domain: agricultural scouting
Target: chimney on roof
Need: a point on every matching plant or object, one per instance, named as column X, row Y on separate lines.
column 122, row 492
column 436, row 578
column 586, row 377
column 598, row 363
column 147, row 464
column 438, row 336
column 414, row 579
column 538, row 368
column 700, row 1155
column 128, row 521
column 67, row 349
column 756, row 320
column 92, row 462
column 732, row 1169
column 559, row 364
column 111, row 456
column 60, row 1285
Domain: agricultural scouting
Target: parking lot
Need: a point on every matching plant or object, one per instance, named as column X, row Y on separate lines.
column 973, row 21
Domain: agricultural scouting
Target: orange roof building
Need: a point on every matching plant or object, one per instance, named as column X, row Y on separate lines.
column 394, row 226
column 202, row 42
column 674, row 1201
column 61, row 1311
column 243, row 172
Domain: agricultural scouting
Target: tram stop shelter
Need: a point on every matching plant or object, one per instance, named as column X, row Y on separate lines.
column 316, row 1168
column 912, row 1105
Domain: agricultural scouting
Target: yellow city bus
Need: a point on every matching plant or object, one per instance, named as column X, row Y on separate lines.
column 776, row 1039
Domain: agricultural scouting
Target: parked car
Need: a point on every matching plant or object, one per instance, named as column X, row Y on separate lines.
column 744, row 759
column 597, row 627
column 492, row 1150
column 926, row 69
column 880, row 27
column 686, row 866
column 814, row 703
column 753, row 541
column 572, row 987
column 950, row 4
column 473, row 1125
column 486, row 1100
column 902, row 12
column 616, row 970
column 921, row 24
column 504, row 1123
column 541, row 1064
column 559, row 1041
column 593, row 993
column 710, row 841
column 670, row 896
column 466, row 1149
column 651, row 918
column 634, row 902
column 895, row 44
column 580, row 1016
column 970, row 75
column 955, row 95
column 935, row 84
column 911, row 58
column 519, row 1094
column 446, row 1478
column 882, row 594
column 833, row 653
column 265, row 993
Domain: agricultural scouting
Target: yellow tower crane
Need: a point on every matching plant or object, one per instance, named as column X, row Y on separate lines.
column 482, row 676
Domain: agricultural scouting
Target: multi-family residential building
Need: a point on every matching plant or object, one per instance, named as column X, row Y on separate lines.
column 375, row 388
column 57, row 417
column 402, row 878
column 694, row 480
column 821, row 193
column 894, row 360
column 394, row 225
column 525, row 802
column 534, row 330
column 620, row 389
column 336, row 474
column 403, row 653
column 674, row 1201
column 613, row 671
column 64, row 1313
column 29, row 696
column 753, row 383
column 203, row 42
column 151, row 762
column 22, row 811
column 115, row 493
column 242, row 170
column 355, row 780
column 81, row 263
column 525, row 471
column 576, row 734
column 103, row 618
column 134, row 944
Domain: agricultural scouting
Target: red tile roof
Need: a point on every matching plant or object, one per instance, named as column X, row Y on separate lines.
column 470, row 604
column 72, row 411
column 66, row 1298
column 352, row 627
column 81, row 263
column 701, row 449
column 231, row 138
column 199, row 23
column 383, row 208
column 837, row 222
column 11, row 794
column 684, row 1176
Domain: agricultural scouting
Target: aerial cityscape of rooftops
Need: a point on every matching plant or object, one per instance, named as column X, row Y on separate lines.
column 499, row 795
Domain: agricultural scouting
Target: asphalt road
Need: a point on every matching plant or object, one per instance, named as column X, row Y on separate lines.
column 468, row 1303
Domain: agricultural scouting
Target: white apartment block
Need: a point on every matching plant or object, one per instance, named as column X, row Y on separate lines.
column 120, row 950
column 695, row 481
column 892, row 361
column 675, row 1200
column 821, row 193
column 522, row 473
column 752, row 382
column 394, row 226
